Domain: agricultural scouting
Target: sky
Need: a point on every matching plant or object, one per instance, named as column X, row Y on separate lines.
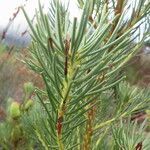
column 16, row 33
column 8, row 7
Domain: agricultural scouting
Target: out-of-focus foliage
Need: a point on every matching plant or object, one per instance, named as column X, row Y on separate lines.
column 131, row 136
column 13, row 74
column 12, row 130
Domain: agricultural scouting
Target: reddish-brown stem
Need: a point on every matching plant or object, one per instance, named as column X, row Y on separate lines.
column 59, row 125
column 89, row 128
column 67, row 47
column 139, row 146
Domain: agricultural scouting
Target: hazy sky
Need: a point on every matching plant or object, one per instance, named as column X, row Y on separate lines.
column 8, row 7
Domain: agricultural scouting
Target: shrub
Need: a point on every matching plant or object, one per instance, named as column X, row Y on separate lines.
column 85, row 95
column 80, row 64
